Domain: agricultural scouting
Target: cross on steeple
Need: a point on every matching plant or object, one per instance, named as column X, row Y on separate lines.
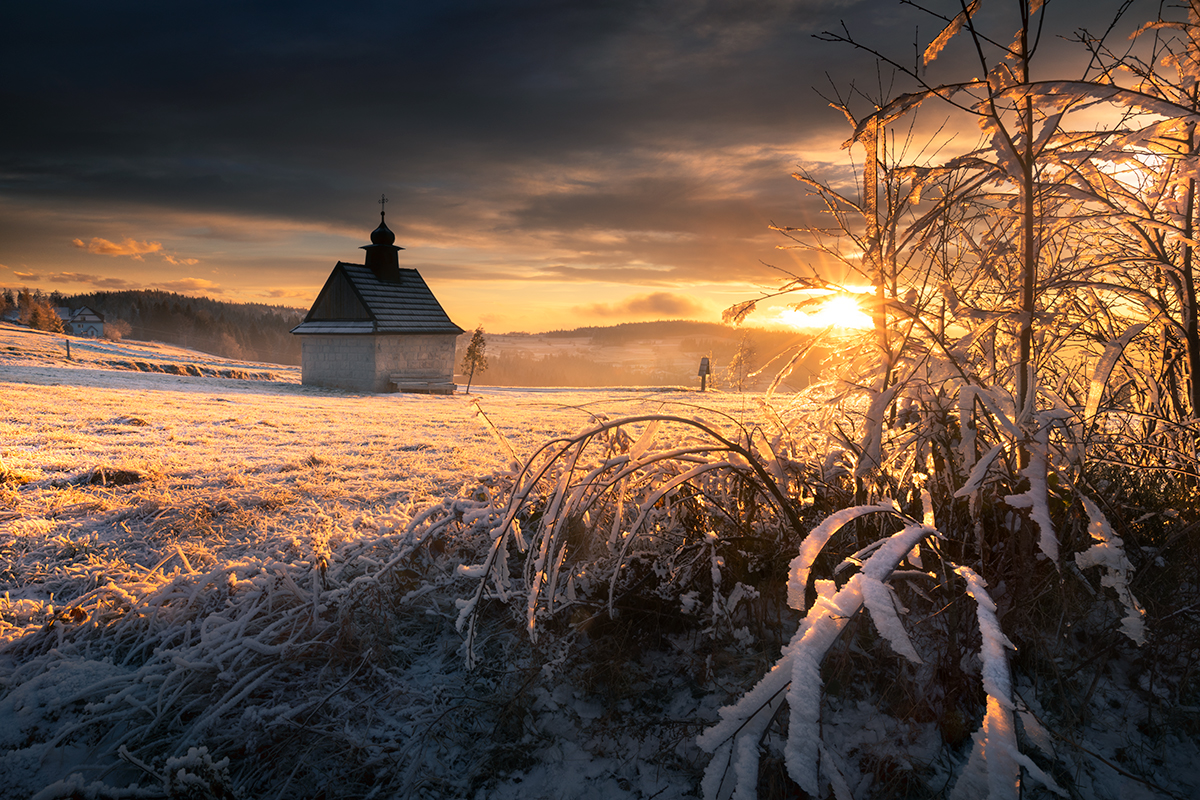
column 382, row 199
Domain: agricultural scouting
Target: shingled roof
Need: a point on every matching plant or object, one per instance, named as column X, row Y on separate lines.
column 356, row 300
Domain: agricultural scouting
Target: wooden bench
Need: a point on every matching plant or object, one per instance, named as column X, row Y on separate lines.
column 411, row 385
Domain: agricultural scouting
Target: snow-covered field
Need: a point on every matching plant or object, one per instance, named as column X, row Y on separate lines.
column 123, row 491
column 21, row 346
column 231, row 587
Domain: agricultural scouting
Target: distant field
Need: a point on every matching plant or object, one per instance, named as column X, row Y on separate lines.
column 516, row 359
column 606, row 359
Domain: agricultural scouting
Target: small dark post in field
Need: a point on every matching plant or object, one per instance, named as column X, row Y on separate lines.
column 68, row 341
column 704, row 372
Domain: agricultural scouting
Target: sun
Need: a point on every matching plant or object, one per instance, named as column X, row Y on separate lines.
column 839, row 311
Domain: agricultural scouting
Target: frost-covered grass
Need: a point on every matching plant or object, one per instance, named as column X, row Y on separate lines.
column 219, row 587
column 265, row 572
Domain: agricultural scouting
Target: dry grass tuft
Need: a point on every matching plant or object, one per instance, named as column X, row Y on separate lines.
column 112, row 476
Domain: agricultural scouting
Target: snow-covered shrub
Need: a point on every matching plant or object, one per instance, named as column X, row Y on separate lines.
column 628, row 514
column 235, row 679
column 908, row 503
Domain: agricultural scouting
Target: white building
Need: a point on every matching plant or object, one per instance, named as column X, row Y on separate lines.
column 81, row 321
column 85, row 322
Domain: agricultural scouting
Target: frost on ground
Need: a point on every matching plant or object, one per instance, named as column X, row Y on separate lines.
column 250, row 588
column 265, row 570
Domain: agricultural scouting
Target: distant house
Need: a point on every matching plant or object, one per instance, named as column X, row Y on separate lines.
column 81, row 321
column 85, row 322
column 375, row 327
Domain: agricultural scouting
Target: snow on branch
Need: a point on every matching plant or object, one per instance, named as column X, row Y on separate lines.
column 815, row 542
column 1036, row 497
column 953, row 27
column 1104, row 367
column 1109, row 552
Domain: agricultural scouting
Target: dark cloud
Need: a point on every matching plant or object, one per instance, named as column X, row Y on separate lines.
column 646, row 142
column 304, row 108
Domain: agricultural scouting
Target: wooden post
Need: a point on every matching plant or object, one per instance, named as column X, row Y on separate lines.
column 68, row 341
column 704, row 371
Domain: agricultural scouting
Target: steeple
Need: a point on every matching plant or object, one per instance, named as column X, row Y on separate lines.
column 382, row 258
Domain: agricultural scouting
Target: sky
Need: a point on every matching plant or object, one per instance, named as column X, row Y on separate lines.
column 548, row 164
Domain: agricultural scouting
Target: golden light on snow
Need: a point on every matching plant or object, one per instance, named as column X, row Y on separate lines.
column 839, row 311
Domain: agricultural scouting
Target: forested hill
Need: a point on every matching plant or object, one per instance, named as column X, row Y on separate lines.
column 251, row 331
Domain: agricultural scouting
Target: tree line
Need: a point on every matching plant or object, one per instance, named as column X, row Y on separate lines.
column 32, row 308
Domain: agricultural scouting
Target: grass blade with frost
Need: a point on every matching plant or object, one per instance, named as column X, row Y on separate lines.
column 994, row 768
column 736, row 738
column 1108, row 551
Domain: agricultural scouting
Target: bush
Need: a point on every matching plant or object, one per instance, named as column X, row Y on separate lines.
column 116, row 329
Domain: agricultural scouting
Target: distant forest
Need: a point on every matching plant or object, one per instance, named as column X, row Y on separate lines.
column 627, row 332
column 248, row 331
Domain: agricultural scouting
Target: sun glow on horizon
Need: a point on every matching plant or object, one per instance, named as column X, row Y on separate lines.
column 839, row 311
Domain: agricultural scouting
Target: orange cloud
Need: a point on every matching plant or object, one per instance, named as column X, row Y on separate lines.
column 75, row 277
column 655, row 304
column 183, row 262
column 129, row 247
column 287, row 294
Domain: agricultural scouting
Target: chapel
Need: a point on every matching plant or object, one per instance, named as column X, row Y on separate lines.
column 376, row 327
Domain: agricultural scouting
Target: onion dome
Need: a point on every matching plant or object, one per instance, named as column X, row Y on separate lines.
column 383, row 234
column 381, row 252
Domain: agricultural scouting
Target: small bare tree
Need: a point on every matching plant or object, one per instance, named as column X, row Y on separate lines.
column 742, row 364
column 475, row 358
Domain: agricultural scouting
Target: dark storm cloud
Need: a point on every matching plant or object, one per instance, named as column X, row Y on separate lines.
column 662, row 204
column 307, row 108
column 640, row 141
